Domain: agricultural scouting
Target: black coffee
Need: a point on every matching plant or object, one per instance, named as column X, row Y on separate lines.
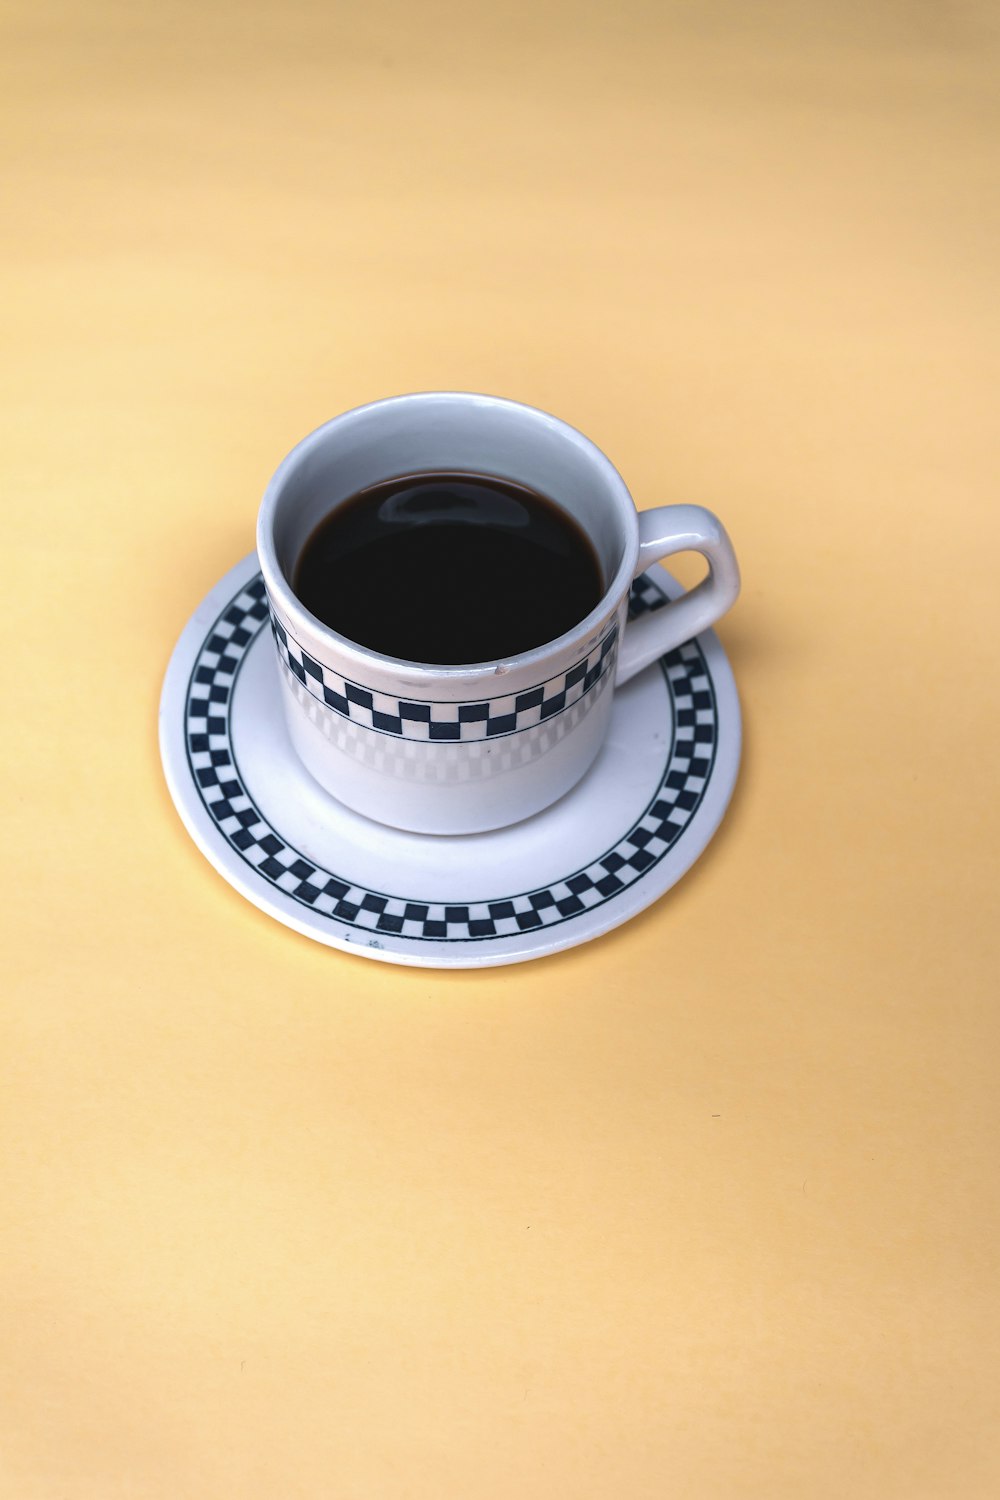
column 449, row 568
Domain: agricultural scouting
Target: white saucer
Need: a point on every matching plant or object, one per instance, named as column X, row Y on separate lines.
column 623, row 836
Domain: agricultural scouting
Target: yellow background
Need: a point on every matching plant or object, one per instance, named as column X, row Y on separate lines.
column 708, row 1208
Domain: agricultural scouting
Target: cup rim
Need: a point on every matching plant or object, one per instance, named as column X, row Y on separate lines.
column 362, row 657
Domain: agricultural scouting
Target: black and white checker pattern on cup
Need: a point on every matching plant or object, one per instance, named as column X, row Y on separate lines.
column 332, row 895
column 487, row 718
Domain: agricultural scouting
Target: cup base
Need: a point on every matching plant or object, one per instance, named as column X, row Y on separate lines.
column 436, row 789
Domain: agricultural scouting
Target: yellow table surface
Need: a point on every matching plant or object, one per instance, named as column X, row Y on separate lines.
column 708, row 1208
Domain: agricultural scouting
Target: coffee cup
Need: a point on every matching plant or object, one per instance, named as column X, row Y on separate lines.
column 462, row 749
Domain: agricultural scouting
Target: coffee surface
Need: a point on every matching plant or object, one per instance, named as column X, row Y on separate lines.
column 449, row 568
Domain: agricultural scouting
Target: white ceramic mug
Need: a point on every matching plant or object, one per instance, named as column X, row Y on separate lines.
column 461, row 749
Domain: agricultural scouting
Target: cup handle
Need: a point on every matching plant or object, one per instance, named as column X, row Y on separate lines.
column 662, row 532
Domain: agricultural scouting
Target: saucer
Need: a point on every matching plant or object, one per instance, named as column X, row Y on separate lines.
column 622, row 837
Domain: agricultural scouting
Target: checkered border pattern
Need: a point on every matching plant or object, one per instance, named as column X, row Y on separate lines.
column 491, row 718
column 216, row 773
